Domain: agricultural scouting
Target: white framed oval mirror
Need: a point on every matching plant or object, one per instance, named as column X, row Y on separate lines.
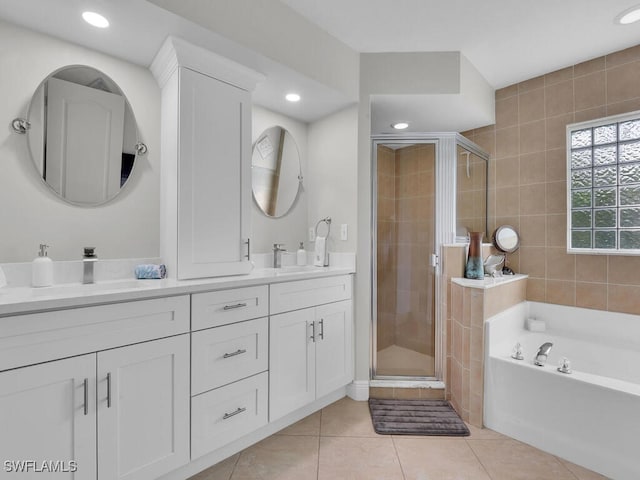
column 276, row 174
column 82, row 135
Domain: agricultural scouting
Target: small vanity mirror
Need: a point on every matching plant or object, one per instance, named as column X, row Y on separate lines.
column 82, row 135
column 506, row 239
column 276, row 175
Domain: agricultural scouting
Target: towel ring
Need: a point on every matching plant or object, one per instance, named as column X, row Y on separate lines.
column 326, row 220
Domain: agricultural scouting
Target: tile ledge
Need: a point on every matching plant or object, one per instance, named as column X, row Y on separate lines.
column 489, row 282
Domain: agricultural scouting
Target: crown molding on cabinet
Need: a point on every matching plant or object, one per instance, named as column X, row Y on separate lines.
column 177, row 52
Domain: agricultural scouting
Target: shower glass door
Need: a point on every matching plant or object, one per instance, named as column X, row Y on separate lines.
column 404, row 333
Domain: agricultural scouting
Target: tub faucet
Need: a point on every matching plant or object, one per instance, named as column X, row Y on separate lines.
column 89, row 258
column 543, row 353
column 277, row 254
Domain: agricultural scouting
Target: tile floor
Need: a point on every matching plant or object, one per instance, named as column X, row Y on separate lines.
column 338, row 442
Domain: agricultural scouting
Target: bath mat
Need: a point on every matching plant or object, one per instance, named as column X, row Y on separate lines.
column 416, row 417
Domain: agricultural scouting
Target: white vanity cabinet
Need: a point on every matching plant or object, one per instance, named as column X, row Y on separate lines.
column 143, row 409
column 48, row 412
column 206, row 161
column 229, row 366
column 120, row 412
column 310, row 349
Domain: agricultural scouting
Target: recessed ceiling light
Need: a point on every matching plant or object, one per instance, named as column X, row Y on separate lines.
column 95, row 19
column 629, row 16
column 400, row 125
column 292, row 97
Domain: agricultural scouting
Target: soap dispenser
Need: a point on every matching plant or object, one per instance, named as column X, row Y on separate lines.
column 42, row 269
column 301, row 255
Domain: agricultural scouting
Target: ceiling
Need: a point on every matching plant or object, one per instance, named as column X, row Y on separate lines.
column 506, row 40
column 138, row 29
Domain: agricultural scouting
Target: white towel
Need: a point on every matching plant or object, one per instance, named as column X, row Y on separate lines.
column 320, row 251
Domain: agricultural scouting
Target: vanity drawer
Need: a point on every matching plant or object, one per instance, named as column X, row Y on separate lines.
column 307, row 293
column 212, row 309
column 225, row 354
column 227, row 413
column 40, row 337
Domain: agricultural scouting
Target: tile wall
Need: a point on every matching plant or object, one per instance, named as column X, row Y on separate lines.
column 527, row 178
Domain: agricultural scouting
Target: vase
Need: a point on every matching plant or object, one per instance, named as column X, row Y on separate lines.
column 474, row 268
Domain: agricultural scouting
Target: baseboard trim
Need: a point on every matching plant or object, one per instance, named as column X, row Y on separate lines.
column 358, row 390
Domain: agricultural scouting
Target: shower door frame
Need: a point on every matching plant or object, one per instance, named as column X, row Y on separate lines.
column 446, row 144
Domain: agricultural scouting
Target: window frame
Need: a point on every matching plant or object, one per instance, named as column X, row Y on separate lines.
column 599, row 122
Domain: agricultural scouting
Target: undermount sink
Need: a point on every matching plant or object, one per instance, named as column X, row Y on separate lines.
column 89, row 288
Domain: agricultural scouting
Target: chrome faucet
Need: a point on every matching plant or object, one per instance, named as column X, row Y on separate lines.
column 543, row 353
column 89, row 258
column 277, row 254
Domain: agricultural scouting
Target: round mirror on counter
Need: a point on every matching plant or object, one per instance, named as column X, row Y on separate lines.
column 82, row 135
column 506, row 239
column 276, row 175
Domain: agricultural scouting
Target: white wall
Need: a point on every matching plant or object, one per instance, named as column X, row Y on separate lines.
column 291, row 228
column 333, row 176
column 30, row 213
column 278, row 32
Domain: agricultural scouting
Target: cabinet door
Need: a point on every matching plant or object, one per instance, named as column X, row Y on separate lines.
column 334, row 347
column 214, row 186
column 47, row 414
column 143, row 409
column 291, row 362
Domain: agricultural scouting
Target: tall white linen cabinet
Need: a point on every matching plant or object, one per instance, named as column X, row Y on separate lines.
column 206, row 161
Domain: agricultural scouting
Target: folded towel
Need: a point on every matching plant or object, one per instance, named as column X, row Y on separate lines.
column 150, row 271
column 320, row 252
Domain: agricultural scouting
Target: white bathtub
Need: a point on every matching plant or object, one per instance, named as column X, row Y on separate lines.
column 590, row 417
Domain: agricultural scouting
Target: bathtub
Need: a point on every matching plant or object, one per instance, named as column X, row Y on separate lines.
column 590, row 417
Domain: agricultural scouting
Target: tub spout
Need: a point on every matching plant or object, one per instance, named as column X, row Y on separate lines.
column 543, row 353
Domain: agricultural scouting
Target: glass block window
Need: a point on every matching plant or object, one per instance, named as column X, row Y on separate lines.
column 603, row 194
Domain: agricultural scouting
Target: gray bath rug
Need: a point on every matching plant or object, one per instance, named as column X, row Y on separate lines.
column 416, row 417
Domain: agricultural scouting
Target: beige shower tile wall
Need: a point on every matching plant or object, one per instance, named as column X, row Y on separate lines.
column 415, row 197
column 471, row 191
column 386, row 261
column 527, row 178
column 470, row 307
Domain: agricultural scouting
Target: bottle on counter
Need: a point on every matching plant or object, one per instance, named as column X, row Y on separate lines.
column 42, row 269
column 301, row 255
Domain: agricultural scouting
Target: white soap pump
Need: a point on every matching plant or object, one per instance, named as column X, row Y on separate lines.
column 42, row 269
column 301, row 255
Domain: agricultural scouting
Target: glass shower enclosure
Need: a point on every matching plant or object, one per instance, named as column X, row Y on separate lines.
column 428, row 190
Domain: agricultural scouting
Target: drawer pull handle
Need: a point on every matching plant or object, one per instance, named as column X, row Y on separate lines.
column 322, row 329
column 313, row 332
column 86, row 396
column 109, row 390
column 233, row 414
column 237, row 305
column 237, row 352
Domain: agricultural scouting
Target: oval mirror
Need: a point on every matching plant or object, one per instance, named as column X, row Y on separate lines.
column 82, row 135
column 276, row 175
column 506, row 239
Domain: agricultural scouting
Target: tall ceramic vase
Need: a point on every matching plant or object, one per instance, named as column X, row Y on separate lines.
column 474, row 268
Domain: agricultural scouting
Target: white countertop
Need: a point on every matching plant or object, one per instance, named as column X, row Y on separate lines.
column 20, row 300
column 489, row 282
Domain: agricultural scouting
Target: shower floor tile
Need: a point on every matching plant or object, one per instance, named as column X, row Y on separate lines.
column 339, row 443
column 399, row 361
